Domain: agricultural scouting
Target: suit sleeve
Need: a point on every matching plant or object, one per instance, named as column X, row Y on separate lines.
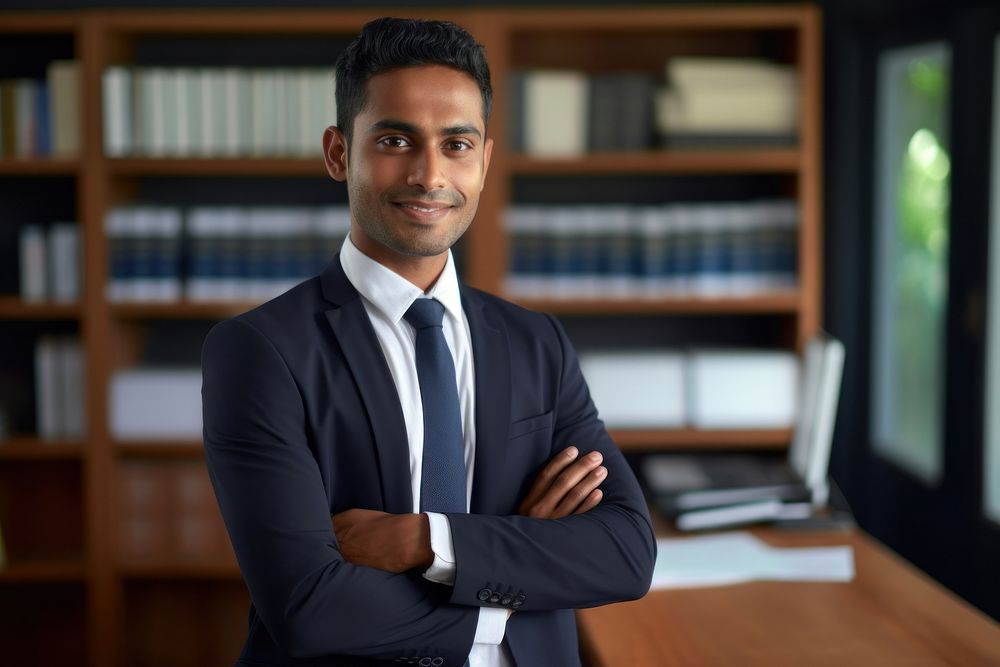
column 602, row 556
column 275, row 508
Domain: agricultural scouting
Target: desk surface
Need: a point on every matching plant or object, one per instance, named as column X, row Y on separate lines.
column 891, row 614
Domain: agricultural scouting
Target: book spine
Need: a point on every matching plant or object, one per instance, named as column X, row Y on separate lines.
column 73, row 382
column 48, row 406
column 25, row 118
column 8, row 131
column 64, row 109
column 516, row 104
column 43, row 125
column 33, row 261
column 64, row 254
column 115, row 227
column 556, row 113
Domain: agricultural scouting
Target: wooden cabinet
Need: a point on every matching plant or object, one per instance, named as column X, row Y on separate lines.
column 61, row 505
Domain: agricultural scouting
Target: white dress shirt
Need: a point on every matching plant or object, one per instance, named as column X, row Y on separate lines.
column 386, row 297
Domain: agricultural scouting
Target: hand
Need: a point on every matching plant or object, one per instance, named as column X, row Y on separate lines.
column 566, row 485
column 390, row 542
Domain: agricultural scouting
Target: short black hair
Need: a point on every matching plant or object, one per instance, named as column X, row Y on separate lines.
column 392, row 43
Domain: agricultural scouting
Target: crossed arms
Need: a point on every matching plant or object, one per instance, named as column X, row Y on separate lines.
column 327, row 592
column 400, row 542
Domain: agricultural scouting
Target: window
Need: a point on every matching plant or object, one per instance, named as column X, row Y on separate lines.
column 991, row 471
column 912, row 192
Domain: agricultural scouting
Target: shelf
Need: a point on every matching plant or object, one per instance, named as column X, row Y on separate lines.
column 39, row 166
column 14, row 308
column 775, row 304
column 181, row 310
column 35, row 449
column 238, row 166
column 43, row 571
column 722, row 161
column 161, row 450
column 707, row 161
column 221, row 570
column 658, row 439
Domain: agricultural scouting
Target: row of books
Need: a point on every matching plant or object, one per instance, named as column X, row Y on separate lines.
column 728, row 100
column 60, row 386
column 563, row 113
column 49, row 262
column 168, row 511
column 218, row 253
column 41, row 117
column 216, row 111
column 704, row 249
column 705, row 100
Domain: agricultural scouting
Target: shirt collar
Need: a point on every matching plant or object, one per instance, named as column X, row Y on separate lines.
column 390, row 292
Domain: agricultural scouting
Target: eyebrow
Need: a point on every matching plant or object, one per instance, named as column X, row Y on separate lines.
column 409, row 128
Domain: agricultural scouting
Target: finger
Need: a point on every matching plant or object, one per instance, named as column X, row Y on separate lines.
column 580, row 492
column 544, row 479
column 592, row 501
column 565, row 482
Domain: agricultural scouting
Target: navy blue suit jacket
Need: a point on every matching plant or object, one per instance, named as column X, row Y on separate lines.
column 302, row 420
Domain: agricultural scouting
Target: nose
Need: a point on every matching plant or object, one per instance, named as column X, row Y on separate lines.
column 426, row 171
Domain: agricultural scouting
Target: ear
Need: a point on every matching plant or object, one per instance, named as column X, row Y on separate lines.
column 487, row 154
column 335, row 153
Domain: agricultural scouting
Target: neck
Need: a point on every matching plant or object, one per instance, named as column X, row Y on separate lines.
column 421, row 271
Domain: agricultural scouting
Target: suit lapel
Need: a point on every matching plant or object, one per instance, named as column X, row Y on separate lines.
column 491, row 356
column 364, row 357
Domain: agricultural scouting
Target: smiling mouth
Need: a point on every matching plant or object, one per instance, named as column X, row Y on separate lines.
column 423, row 209
column 423, row 212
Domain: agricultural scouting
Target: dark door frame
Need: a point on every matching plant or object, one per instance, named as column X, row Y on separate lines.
column 941, row 529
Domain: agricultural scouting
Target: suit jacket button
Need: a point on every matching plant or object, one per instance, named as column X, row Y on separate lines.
column 425, row 662
column 517, row 603
column 494, row 597
column 437, row 662
column 506, row 599
column 484, row 594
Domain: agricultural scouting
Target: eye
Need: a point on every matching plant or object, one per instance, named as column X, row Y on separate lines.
column 458, row 145
column 394, row 141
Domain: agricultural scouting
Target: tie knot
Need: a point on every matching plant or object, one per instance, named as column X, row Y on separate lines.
column 424, row 313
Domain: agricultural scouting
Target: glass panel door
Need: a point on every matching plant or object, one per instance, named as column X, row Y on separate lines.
column 912, row 192
column 991, row 480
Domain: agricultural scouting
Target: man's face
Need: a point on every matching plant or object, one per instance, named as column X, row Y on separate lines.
column 417, row 162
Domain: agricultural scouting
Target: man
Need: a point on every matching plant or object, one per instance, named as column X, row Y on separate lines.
column 448, row 435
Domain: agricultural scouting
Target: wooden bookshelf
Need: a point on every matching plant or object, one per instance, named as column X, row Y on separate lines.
column 160, row 450
column 778, row 304
column 688, row 439
column 43, row 571
column 14, row 308
column 35, row 449
column 708, row 161
column 202, row 570
column 39, row 166
column 246, row 166
column 110, row 608
column 180, row 310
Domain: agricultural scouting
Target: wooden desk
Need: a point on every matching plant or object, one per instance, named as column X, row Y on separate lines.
column 891, row 614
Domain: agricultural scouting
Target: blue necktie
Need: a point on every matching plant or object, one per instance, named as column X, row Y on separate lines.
column 442, row 482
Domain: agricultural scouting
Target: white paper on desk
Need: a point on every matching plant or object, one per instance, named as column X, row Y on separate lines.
column 737, row 557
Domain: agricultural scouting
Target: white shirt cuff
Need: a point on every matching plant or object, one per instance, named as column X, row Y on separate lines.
column 492, row 625
column 492, row 620
column 442, row 570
